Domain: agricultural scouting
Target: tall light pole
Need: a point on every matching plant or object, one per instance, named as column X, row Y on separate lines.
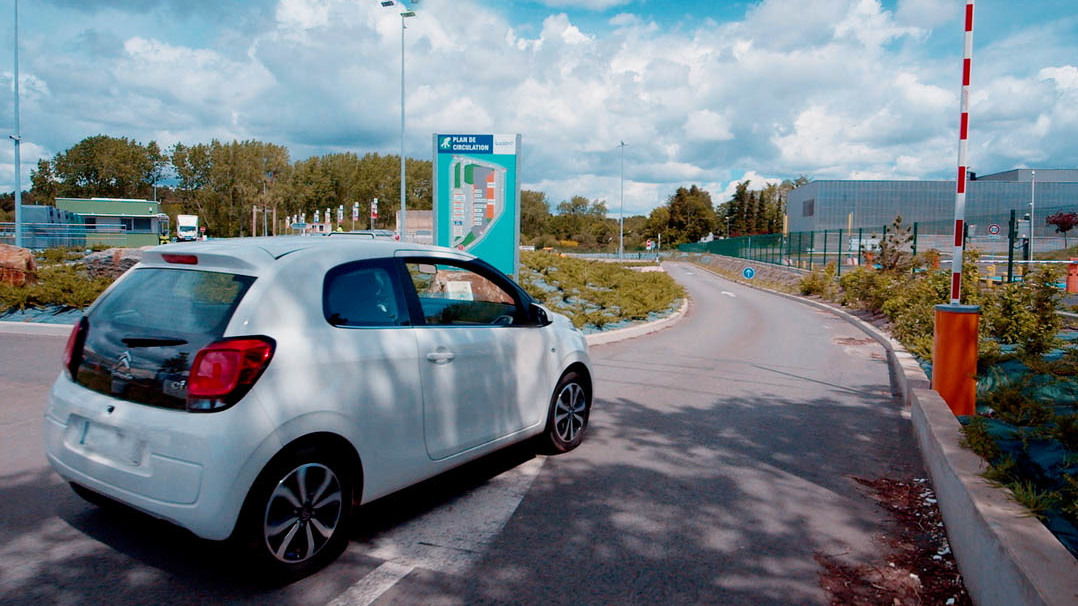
column 405, row 14
column 621, row 212
column 17, row 137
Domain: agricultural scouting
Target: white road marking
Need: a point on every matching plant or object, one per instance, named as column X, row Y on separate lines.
column 372, row 586
column 729, row 294
column 447, row 539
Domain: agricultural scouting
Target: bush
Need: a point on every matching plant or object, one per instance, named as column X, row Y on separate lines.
column 596, row 293
column 821, row 282
column 1023, row 313
column 866, row 288
column 60, row 285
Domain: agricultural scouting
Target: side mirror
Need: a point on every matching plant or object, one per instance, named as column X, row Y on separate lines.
column 538, row 315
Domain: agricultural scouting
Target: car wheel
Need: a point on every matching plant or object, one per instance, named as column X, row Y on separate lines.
column 298, row 514
column 568, row 417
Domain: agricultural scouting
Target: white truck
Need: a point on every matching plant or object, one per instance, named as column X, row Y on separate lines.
column 186, row 227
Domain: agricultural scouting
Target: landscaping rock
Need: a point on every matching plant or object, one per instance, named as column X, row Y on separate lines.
column 111, row 263
column 17, row 266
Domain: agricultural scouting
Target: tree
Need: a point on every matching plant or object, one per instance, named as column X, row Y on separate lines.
column 692, row 215
column 894, row 253
column 576, row 220
column 534, row 214
column 101, row 166
column 1064, row 222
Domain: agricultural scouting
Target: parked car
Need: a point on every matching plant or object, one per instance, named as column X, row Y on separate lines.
column 260, row 388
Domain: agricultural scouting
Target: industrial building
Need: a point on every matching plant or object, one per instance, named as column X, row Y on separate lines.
column 832, row 205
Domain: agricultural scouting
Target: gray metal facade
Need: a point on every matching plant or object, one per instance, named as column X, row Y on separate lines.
column 821, row 205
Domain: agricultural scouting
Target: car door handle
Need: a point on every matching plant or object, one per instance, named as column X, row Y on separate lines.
column 441, row 357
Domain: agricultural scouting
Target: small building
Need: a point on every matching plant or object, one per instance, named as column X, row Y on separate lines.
column 118, row 221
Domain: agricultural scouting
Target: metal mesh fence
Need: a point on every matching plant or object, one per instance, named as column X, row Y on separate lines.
column 69, row 235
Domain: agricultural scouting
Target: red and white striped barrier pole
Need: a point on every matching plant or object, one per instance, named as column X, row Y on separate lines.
column 954, row 355
column 963, row 133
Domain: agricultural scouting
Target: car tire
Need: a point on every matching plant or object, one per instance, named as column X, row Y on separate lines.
column 567, row 420
column 297, row 515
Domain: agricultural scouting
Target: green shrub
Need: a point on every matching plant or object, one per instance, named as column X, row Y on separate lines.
column 975, row 437
column 61, row 285
column 867, row 288
column 1023, row 313
column 597, row 293
column 820, row 282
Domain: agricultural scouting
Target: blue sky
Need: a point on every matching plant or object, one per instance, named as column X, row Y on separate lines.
column 702, row 92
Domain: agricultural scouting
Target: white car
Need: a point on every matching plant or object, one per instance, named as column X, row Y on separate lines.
column 259, row 388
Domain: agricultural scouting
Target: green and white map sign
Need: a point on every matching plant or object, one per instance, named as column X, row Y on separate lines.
column 477, row 196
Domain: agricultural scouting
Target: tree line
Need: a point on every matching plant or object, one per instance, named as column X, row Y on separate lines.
column 222, row 181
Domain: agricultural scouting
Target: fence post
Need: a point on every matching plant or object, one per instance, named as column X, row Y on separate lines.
column 800, row 236
column 839, row 252
column 812, row 247
column 825, row 248
column 1012, row 227
column 860, row 244
column 915, row 239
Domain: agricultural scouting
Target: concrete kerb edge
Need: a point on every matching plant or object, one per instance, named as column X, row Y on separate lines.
column 1006, row 557
column 35, row 328
column 630, row 332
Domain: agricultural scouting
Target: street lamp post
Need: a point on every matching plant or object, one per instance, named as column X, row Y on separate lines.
column 17, row 137
column 405, row 14
column 621, row 211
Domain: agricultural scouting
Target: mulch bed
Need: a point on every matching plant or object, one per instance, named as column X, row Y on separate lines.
column 918, row 568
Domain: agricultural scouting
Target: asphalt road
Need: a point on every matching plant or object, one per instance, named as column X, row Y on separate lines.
column 721, row 459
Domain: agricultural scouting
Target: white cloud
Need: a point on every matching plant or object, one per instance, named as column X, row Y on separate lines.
column 706, row 125
column 826, row 88
column 595, row 5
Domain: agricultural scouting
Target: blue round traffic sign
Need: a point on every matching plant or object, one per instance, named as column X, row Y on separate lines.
column 748, row 273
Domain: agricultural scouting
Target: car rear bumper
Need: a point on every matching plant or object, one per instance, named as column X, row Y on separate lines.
column 174, row 465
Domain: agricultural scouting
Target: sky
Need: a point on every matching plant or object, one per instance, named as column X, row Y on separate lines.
column 706, row 93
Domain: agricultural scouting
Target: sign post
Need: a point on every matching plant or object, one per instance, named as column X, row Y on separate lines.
column 477, row 196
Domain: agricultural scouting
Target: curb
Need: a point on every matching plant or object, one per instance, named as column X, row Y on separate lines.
column 630, row 332
column 35, row 328
column 1006, row 557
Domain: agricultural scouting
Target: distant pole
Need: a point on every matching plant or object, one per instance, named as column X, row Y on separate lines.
column 621, row 212
column 17, row 137
column 960, row 192
column 1032, row 208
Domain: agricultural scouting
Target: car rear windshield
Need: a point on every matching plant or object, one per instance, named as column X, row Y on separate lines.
column 143, row 336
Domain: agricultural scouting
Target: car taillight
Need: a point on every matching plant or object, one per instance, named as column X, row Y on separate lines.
column 73, row 350
column 224, row 371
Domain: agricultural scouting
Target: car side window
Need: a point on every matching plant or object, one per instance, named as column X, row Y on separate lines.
column 363, row 294
column 451, row 295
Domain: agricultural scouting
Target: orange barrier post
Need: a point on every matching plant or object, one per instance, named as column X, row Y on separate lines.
column 954, row 357
column 1072, row 276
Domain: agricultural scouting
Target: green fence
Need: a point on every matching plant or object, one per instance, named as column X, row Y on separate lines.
column 804, row 250
column 1004, row 242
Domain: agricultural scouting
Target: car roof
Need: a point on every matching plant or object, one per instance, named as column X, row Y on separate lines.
column 254, row 254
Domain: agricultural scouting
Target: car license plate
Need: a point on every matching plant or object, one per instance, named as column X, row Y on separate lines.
column 110, row 443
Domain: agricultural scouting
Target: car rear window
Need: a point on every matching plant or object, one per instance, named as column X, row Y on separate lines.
column 144, row 334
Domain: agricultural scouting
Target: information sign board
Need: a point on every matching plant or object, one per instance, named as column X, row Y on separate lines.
column 477, row 196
